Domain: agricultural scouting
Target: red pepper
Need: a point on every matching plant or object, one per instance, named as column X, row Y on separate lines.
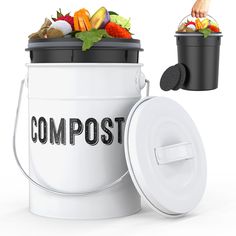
column 117, row 31
column 214, row 28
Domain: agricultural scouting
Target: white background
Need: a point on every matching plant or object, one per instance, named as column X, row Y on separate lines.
column 154, row 22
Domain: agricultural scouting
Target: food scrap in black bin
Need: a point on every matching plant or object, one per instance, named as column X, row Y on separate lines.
column 82, row 26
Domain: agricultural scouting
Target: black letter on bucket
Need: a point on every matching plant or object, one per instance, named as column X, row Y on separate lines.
column 119, row 120
column 33, row 134
column 89, row 122
column 59, row 136
column 42, row 127
column 74, row 131
column 109, row 138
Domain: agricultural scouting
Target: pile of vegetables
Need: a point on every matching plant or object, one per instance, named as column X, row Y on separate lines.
column 89, row 29
column 205, row 26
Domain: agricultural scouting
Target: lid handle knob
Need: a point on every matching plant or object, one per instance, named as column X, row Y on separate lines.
column 174, row 153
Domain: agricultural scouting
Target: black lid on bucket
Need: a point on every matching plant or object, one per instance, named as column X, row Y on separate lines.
column 69, row 50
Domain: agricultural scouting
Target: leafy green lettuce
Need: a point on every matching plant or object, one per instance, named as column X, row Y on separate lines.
column 206, row 32
column 120, row 20
column 91, row 37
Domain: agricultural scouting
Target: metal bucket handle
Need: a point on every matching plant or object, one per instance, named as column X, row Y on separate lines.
column 191, row 16
column 51, row 190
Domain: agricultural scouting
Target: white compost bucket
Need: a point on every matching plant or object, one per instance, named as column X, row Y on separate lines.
column 86, row 123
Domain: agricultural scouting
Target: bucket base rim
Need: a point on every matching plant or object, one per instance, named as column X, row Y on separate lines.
column 84, row 218
column 199, row 90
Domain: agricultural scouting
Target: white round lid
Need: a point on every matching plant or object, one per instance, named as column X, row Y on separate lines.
column 165, row 156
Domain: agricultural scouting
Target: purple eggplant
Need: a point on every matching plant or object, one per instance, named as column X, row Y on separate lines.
column 100, row 18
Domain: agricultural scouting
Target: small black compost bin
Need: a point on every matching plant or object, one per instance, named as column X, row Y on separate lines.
column 198, row 43
column 200, row 56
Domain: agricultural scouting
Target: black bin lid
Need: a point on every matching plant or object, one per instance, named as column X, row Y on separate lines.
column 69, row 50
column 173, row 78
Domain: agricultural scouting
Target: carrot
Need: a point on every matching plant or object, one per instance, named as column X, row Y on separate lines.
column 85, row 11
column 76, row 22
column 81, row 20
column 87, row 22
column 81, row 23
column 198, row 24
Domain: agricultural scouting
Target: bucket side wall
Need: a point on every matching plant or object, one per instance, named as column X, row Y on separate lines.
column 201, row 58
column 81, row 92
